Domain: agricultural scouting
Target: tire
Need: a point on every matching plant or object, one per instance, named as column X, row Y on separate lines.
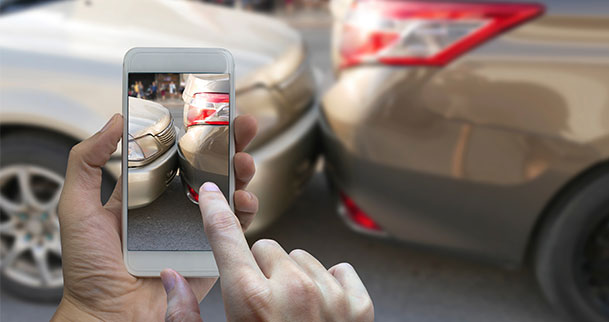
column 45, row 157
column 572, row 256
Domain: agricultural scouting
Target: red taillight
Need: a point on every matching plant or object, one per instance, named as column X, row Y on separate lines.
column 357, row 215
column 193, row 194
column 423, row 33
column 208, row 108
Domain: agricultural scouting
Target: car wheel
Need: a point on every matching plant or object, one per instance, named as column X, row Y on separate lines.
column 572, row 262
column 31, row 177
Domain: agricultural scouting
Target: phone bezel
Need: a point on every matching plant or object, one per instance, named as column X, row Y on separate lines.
column 174, row 60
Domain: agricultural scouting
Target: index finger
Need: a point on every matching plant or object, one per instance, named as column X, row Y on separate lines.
column 223, row 230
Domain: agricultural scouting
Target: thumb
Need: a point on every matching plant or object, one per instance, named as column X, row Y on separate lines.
column 182, row 305
column 83, row 175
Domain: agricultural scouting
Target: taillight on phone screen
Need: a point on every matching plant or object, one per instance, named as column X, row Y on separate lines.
column 208, row 108
column 423, row 33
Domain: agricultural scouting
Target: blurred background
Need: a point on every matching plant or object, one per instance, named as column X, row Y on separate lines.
column 455, row 152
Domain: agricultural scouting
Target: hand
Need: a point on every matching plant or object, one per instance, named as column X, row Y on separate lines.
column 266, row 284
column 96, row 283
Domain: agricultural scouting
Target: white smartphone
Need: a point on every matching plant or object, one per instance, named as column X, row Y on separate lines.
column 178, row 107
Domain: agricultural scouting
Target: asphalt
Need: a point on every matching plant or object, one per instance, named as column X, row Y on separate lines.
column 171, row 222
column 405, row 283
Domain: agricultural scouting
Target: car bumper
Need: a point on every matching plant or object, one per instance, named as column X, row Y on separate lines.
column 283, row 165
column 148, row 182
column 203, row 156
column 430, row 178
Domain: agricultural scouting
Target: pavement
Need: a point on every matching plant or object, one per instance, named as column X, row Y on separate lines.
column 171, row 222
column 405, row 283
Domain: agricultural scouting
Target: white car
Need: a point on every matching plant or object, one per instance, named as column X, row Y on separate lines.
column 61, row 76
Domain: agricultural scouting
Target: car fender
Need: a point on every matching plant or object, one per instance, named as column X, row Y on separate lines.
column 55, row 113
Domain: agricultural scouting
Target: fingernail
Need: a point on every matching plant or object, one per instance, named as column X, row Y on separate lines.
column 108, row 123
column 209, row 186
column 169, row 280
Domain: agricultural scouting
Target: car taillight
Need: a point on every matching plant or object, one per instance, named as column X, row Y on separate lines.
column 193, row 194
column 357, row 216
column 208, row 108
column 423, row 33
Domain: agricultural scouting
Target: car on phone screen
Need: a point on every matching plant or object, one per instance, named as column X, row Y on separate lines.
column 479, row 127
column 204, row 148
column 152, row 149
column 61, row 81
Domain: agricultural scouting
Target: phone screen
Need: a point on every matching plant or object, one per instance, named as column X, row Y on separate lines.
column 178, row 138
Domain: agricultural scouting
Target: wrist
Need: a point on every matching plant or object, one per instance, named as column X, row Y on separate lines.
column 71, row 309
column 68, row 310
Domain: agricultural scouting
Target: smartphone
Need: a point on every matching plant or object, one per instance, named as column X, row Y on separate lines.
column 178, row 107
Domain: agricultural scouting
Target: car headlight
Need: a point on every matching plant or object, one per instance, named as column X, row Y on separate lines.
column 143, row 148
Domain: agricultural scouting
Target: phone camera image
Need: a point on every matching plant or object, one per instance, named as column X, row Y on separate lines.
column 178, row 139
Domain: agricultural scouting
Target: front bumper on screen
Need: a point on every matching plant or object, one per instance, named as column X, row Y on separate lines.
column 148, row 182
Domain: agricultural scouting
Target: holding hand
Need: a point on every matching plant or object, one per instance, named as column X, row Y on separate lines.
column 97, row 285
column 262, row 284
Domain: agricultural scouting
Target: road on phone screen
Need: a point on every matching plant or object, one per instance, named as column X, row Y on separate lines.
column 405, row 284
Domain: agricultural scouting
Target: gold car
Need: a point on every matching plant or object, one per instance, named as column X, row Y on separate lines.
column 481, row 128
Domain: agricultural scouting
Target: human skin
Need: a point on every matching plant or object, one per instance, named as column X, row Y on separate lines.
column 97, row 285
column 265, row 283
